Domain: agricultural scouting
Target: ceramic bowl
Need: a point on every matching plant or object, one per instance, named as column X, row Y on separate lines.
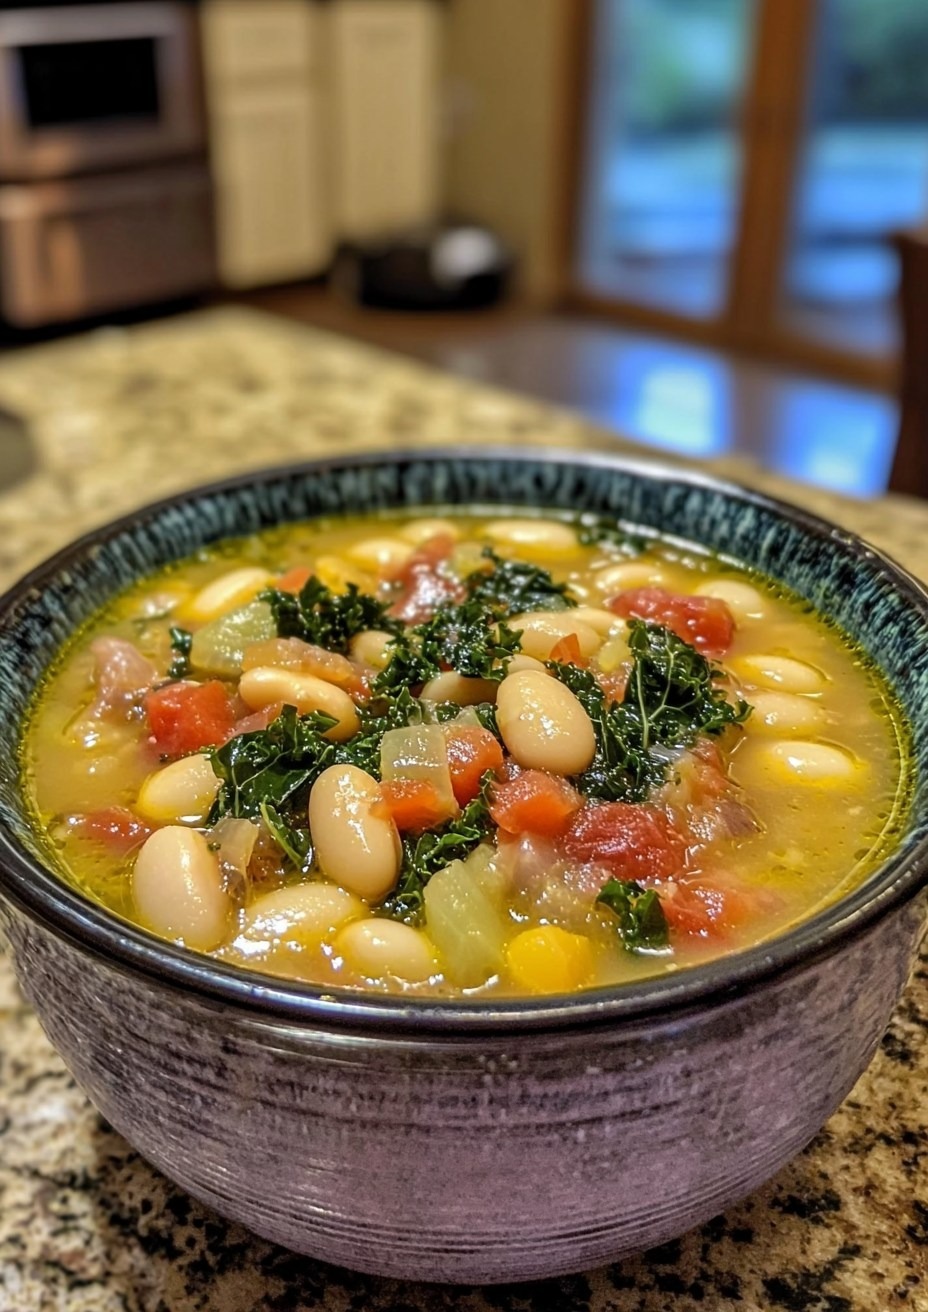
column 467, row 1142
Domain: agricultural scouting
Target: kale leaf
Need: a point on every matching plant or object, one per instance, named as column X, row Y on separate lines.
column 670, row 699
column 292, row 838
column 273, row 766
column 325, row 618
column 181, row 642
column 465, row 637
column 426, row 853
column 641, row 920
column 513, row 586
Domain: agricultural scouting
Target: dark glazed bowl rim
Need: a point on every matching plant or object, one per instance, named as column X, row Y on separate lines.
column 47, row 899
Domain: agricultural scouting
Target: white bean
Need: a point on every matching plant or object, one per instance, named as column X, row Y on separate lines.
column 798, row 762
column 450, row 686
column 630, row 574
column 371, row 647
column 598, row 618
column 543, row 724
column 784, row 714
column 522, row 661
column 225, row 593
column 542, row 630
column 268, row 684
column 379, row 949
column 783, row 672
column 379, row 554
column 541, row 537
column 178, row 888
column 744, row 602
column 181, row 793
column 354, row 845
column 303, row 915
column 420, row 530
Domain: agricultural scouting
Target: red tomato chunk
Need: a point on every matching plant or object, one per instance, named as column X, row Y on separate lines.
column 704, row 622
column 423, row 586
column 185, row 717
column 534, row 802
column 630, row 841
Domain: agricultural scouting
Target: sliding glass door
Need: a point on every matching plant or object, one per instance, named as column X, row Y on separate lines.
column 745, row 165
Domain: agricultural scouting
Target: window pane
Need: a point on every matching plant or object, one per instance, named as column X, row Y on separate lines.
column 863, row 172
column 664, row 156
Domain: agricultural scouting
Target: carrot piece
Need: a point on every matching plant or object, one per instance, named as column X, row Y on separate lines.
column 414, row 803
column 534, row 802
column 566, row 651
column 294, row 580
column 471, row 752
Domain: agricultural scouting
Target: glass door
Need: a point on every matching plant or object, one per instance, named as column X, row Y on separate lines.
column 862, row 172
column 664, row 156
column 746, row 163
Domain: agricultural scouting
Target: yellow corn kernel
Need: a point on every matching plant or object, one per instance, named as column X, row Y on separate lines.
column 549, row 959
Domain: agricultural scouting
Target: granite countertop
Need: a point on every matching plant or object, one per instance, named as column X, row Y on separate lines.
column 120, row 417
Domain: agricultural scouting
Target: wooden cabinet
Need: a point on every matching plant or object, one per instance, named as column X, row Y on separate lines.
column 324, row 126
column 267, row 118
column 384, row 75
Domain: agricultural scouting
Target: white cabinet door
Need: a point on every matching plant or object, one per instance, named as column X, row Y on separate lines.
column 273, row 221
column 244, row 40
column 384, row 72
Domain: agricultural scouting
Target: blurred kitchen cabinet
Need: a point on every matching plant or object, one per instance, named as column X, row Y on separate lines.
column 262, row 64
column 384, row 63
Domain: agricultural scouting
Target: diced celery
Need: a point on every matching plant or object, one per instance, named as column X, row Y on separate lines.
column 219, row 646
column 466, row 923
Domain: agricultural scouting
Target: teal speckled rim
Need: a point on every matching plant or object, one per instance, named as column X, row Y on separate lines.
column 866, row 594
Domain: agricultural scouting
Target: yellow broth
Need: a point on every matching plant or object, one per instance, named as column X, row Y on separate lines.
column 819, row 768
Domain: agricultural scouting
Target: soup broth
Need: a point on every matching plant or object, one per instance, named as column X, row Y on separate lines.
column 480, row 755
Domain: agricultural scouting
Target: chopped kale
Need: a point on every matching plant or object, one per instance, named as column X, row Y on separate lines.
column 670, row 699
column 427, row 853
column 291, row 838
column 513, row 586
column 181, row 642
column 641, row 920
column 271, row 767
column 464, row 637
column 325, row 618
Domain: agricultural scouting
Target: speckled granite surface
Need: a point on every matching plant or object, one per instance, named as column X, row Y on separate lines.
column 119, row 418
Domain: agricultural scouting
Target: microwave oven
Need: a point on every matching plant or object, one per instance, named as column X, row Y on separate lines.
column 97, row 87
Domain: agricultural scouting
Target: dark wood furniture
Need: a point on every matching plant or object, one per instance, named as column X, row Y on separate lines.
column 910, row 466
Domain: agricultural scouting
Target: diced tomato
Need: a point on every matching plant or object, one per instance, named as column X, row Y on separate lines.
column 471, row 752
column 422, row 585
column 613, row 684
column 534, row 802
column 630, row 841
column 704, row 622
column 567, row 650
column 704, row 909
column 184, row 717
column 114, row 827
column 294, row 579
column 414, row 803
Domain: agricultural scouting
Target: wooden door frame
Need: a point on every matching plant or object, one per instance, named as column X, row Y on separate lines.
column 771, row 128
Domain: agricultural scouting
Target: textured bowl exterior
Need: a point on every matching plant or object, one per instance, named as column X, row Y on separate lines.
column 479, row 1159
column 491, row 1143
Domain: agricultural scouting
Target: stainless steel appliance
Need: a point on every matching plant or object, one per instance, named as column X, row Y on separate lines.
column 105, row 197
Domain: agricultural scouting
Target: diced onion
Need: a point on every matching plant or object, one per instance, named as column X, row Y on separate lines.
column 466, row 923
column 419, row 752
column 219, row 646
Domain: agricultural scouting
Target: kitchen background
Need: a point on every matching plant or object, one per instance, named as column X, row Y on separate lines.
column 682, row 217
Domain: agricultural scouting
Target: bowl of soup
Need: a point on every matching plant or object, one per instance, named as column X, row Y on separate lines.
column 465, row 867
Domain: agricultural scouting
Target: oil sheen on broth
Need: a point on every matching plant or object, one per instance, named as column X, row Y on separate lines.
column 452, row 755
